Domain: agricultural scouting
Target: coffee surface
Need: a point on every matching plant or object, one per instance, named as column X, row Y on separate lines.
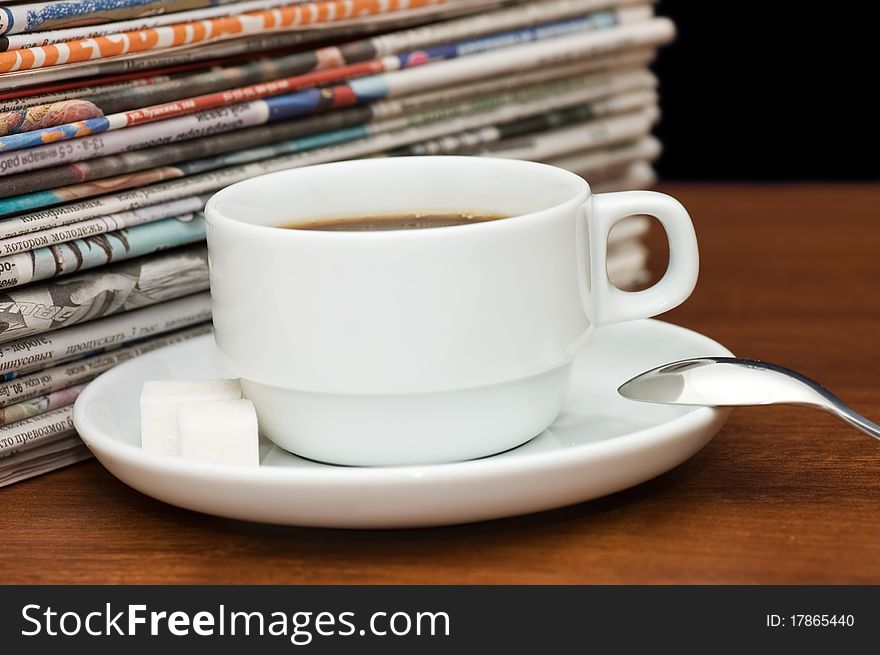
column 413, row 221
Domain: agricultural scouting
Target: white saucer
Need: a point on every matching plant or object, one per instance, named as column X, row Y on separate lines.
column 600, row 444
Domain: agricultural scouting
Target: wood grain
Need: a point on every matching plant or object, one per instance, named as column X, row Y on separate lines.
column 782, row 495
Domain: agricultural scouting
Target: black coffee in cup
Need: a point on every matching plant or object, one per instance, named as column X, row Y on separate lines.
column 410, row 221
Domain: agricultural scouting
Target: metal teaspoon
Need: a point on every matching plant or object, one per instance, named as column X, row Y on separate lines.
column 730, row 382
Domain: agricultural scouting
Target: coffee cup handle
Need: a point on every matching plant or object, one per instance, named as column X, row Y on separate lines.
column 612, row 305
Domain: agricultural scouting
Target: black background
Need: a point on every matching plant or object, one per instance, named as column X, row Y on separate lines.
column 772, row 90
column 516, row 619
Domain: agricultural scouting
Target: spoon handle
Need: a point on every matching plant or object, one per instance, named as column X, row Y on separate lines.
column 848, row 415
column 827, row 401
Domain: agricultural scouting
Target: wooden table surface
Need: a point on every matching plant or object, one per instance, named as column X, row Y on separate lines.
column 789, row 273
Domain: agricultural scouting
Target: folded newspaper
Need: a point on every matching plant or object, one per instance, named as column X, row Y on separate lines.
column 118, row 120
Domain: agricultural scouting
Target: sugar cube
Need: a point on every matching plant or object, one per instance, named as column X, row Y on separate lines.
column 159, row 400
column 219, row 431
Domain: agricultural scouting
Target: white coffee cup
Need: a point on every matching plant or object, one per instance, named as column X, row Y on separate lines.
column 423, row 345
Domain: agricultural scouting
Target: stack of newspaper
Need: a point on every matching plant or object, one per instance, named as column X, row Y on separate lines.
column 119, row 118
